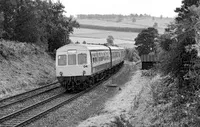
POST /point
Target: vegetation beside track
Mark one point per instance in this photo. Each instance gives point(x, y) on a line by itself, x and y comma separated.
point(23, 66)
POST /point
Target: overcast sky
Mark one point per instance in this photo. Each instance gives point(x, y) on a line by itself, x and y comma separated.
point(125, 7)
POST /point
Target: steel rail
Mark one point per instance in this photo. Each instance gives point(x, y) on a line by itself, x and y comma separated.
point(46, 111)
point(16, 113)
point(24, 93)
point(24, 99)
point(41, 114)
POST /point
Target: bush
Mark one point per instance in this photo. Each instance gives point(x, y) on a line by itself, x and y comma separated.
point(179, 60)
point(131, 55)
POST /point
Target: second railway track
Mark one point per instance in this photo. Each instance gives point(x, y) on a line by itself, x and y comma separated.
point(26, 95)
point(36, 111)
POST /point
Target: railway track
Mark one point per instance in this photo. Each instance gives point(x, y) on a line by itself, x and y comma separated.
point(36, 111)
point(16, 106)
point(26, 95)
point(29, 114)
point(33, 112)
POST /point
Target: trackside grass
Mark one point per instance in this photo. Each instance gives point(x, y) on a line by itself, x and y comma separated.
point(23, 66)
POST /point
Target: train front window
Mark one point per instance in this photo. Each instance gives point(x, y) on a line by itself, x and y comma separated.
point(72, 59)
point(82, 58)
point(62, 60)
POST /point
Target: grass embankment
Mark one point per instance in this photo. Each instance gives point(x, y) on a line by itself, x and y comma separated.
point(153, 107)
point(23, 67)
point(141, 103)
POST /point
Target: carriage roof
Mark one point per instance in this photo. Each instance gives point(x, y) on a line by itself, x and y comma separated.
point(85, 47)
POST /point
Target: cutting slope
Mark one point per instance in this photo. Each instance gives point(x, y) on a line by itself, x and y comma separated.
point(23, 66)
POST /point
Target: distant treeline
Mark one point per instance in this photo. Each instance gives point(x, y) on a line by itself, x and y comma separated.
point(110, 28)
point(109, 16)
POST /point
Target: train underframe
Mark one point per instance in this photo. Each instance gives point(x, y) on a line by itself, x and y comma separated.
point(80, 83)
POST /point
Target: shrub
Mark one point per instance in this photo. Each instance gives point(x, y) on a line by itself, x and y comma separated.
point(132, 55)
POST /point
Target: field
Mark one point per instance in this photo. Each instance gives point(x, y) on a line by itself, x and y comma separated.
point(125, 39)
point(99, 36)
point(140, 22)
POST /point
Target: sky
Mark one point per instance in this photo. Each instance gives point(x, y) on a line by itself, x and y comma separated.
point(125, 7)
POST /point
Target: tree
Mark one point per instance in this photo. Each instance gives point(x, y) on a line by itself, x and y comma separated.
point(133, 19)
point(84, 42)
point(145, 41)
point(36, 21)
point(1, 25)
point(59, 28)
point(155, 25)
point(165, 42)
point(183, 11)
point(110, 40)
point(27, 27)
point(7, 7)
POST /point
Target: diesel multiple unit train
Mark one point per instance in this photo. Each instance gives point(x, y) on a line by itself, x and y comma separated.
point(79, 66)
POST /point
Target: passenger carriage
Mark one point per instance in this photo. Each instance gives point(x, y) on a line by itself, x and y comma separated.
point(80, 65)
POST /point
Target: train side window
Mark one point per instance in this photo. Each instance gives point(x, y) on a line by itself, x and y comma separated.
point(82, 58)
point(105, 56)
point(108, 56)
point(93, 59)
point(72, 59)
point(62, 60)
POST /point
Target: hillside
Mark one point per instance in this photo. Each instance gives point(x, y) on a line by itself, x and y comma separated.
point(122, 38)
point(23, 66)
point(139, 23)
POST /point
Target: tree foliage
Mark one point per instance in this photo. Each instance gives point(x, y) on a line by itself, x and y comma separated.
point(184, 10)
point(36, 21)
point(155, 25)
point(110, 40)
point(180, 60)
point(165, 42)
point(145, 41)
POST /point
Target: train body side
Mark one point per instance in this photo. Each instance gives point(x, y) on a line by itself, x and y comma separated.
point(82, 60)
point(77, 63)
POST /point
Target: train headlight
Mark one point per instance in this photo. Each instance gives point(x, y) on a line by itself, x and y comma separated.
point(61, 73)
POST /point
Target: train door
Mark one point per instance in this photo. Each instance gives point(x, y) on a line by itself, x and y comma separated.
point(78, 64)
point(83, 58)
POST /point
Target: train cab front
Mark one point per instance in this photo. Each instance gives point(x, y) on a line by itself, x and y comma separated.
point(72, 68)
